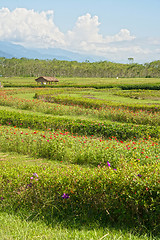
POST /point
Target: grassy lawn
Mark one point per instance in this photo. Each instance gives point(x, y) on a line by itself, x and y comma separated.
point(13, 227)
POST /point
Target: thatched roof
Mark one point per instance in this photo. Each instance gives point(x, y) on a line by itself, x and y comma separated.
point(46, 79)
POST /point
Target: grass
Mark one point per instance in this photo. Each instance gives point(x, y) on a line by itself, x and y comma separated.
point(109, 96)
point(15, 228)
point(29, 96)
point(106, 97)
point(115, 95)
point(83, 82)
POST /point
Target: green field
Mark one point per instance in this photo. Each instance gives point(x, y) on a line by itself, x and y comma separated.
point(80, 159)
point(84, 82)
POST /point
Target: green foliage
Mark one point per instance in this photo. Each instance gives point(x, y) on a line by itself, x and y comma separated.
point(141, 86)
point(92, 102)
point(82, 127)
point(130, 194)
point(33, 68)
point(77, 149)
point(86, 104)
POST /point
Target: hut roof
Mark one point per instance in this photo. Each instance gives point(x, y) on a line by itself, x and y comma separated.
point(47, 79)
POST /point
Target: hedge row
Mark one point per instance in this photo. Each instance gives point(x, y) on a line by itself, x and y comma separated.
point(82, 127)
point(148, 86)
point(94, 103)
point(130, 194)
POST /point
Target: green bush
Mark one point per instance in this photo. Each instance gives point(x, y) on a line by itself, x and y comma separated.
point(94, 103)
point(130, 194)
point(76, 149)
point(83, 127)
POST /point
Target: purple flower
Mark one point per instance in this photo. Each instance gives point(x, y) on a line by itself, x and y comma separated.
point(35, 174)
point(31, 177)
point(2, 198)
point(65, 196)
point(29, 185)
point(108, 164)
point(139, 175)
point(115, 169)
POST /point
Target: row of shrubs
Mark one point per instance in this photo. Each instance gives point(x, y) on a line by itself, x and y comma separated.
point(76, 149)
point(82, 127)
point(148, 86)
point(129, 195)
point(92, 103)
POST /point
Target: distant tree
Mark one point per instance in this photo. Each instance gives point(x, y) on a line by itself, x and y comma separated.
point(34, 67)
point(131, 59)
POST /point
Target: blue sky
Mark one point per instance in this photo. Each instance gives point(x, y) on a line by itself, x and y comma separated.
point(113, 29)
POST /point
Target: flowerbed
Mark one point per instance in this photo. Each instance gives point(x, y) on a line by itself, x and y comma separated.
point(83, 127)
point(67, 147)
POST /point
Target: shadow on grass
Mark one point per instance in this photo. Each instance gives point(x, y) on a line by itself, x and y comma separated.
point(87, 221)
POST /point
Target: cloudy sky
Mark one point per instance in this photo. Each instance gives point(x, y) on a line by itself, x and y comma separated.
point(112, 29)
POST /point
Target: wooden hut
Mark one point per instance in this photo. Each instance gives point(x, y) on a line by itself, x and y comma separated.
point(46, 80)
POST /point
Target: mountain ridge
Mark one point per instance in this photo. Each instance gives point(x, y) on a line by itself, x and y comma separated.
point(10, 50)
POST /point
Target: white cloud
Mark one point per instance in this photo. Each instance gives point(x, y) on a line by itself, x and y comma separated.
point(123, 35)
point(86, 29)
point(38, 30)
point(85, 35)
point(30, 28)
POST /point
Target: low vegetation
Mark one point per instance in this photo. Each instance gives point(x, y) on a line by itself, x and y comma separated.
point(77, 159)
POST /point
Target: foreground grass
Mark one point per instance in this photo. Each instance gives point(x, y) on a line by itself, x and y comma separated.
point(13, 227)
point(28, 225)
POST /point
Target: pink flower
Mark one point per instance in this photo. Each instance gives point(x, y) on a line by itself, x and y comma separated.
point(108, 164)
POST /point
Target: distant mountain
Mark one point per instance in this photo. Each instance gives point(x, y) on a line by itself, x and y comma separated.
point(17, 51)
point(4, 54)
point(9, 50)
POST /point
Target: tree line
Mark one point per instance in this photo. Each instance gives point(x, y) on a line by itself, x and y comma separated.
point(34, 67)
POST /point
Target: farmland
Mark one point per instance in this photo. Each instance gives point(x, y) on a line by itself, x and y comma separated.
point(81, 157)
